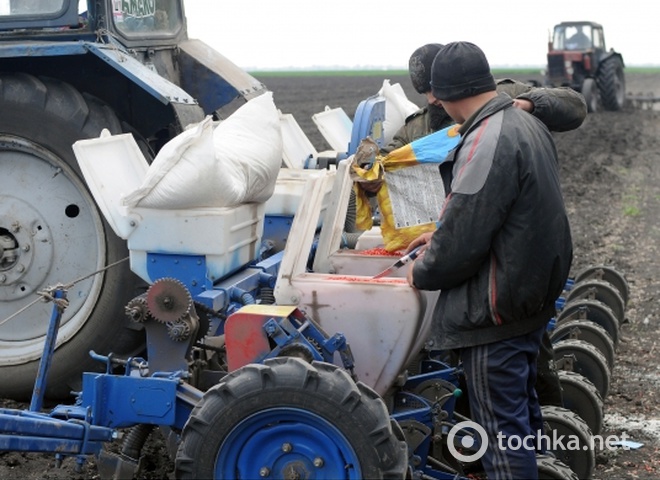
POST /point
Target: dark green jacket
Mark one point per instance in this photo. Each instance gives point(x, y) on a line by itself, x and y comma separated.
point(560, 109)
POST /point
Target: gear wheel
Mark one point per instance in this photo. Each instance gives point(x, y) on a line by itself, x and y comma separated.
point(137, 309)
point(168, 300)
point(178, 331)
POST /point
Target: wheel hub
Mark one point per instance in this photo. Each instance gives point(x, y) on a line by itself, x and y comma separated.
point(23, 268)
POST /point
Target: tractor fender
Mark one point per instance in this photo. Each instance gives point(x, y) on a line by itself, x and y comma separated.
point(36, 58)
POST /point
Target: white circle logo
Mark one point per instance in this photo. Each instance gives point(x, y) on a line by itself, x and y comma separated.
point(467, 441)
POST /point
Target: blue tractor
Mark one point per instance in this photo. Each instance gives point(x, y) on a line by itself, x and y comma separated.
point(69, 69)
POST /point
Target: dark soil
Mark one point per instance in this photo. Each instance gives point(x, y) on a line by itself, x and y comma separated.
point(610, 171)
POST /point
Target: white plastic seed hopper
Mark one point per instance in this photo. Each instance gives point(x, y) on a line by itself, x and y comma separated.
point(384, 320)
point(229, 237)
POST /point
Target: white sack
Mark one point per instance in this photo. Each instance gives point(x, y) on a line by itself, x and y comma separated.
point(179, 174)
point(249, 149)
point(236, 163)
point(397, 109)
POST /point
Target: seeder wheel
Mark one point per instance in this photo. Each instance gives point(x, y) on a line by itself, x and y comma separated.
point(606, 274)
point(290, 419)
point(588, 361)
point(598, 290)
point(578, 452)
point(594, 311)
point(588, 331)
point(551, 468)
point(582, 397)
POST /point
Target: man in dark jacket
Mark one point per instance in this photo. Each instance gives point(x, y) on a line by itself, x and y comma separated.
point(500, 256)
point(560, 109)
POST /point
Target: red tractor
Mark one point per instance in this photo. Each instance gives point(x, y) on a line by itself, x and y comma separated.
point(578, 58)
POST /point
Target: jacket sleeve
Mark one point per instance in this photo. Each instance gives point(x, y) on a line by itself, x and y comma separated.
point(485, 186)
point(416, 126)
point(560, 109)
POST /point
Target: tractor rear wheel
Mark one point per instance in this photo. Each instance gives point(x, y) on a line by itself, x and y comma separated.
point(51, 232)
point(290, 419)
point(612, 84)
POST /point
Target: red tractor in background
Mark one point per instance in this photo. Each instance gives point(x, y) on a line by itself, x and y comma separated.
point(578, 58)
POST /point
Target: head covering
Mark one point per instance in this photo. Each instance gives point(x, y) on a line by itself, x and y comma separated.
point(460, 70)
point(419, 66)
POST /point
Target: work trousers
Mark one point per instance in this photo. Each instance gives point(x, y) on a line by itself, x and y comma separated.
point(500, 379)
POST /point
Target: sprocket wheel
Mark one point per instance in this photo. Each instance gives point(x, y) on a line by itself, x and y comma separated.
point(179, 331)
point(168, 300)
point(137, 309)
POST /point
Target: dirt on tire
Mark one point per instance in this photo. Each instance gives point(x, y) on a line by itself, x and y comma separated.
point(610, 174)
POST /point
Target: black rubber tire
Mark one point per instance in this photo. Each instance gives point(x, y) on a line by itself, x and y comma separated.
point(589, 362)
point(594, 289)
point(551, 468)
point(357, 414)
point(607, 274)
point(612, 84)
point(582, 397)
point(594, 311)
point(590, 93)
point(582, 460)
point(49, 115)
point(588, 331)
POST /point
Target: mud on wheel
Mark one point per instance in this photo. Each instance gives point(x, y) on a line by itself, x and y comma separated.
point(52, 232)
point(290, 419)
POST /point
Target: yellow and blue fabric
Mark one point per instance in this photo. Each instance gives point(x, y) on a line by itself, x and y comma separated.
point(431, 149)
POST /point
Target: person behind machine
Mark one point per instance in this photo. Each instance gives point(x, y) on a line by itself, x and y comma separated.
point(500, 256)
point(579, 40)
point(560, 109)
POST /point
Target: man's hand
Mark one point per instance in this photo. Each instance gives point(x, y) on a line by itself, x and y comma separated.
point(523, 104)
point(409, 274)
point(423, 240)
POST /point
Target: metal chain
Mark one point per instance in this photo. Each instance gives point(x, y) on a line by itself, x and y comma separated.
point(46, 295)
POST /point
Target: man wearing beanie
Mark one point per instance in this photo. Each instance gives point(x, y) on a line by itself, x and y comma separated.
point(561, 109)
point(501, 254)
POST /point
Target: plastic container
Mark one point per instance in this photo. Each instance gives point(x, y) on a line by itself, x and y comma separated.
point(289, 189)
point(335, 126)
point(228, 237)
point(297, 147)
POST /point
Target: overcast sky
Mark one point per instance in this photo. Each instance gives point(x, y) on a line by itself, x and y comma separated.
point(273, 34)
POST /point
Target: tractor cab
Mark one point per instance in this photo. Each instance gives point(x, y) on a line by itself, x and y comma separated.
point(133, 24)
point(578, 36)
point(578, 58)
